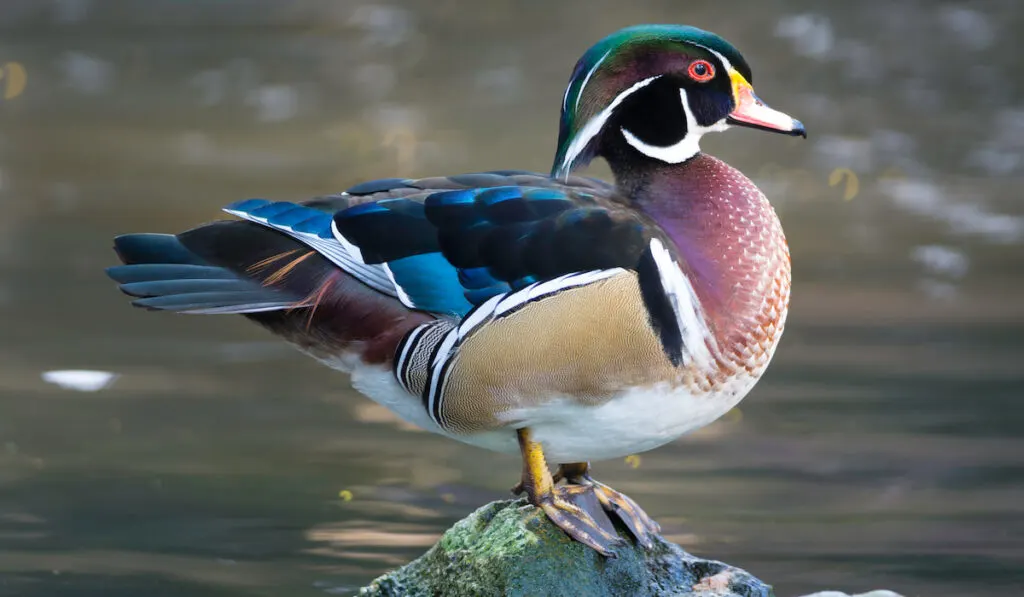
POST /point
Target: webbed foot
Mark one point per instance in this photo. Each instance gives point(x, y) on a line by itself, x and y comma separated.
point(576, 509)
point(642, 526)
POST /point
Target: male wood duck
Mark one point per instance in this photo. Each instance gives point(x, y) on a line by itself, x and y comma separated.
point(560, 316)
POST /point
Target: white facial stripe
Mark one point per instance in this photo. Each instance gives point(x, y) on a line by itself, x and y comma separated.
point(686, 148)
point(725, 61)
point(579, 95)
point(565, 98)
point(595, 124)
point(680, 152)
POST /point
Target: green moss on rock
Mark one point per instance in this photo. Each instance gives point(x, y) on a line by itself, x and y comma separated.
point(510, 548)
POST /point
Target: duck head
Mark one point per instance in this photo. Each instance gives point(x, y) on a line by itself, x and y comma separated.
point(650, 92)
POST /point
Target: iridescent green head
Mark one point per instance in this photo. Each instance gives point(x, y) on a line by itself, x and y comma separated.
point(650, 92)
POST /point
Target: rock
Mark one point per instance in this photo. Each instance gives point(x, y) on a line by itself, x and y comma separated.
point(509, 548)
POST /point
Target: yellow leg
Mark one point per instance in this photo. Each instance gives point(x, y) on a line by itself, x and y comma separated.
point(639, 523)
point(536, 474)
point(562, 505)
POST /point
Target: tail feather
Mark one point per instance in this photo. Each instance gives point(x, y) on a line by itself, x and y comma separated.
point(154, 272)
point(215, 303)
point(273, 279)
point(149, 247)
point(165, 275)
point(186, 286)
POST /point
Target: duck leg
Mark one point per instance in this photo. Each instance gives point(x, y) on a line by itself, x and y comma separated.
point(571, 507)
point(639, 523)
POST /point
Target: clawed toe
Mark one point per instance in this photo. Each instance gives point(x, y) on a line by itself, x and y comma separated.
point(642, 526)
point(576, 510)
point(581, 506)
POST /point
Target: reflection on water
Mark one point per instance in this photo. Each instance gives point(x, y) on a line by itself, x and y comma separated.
point(882, 449)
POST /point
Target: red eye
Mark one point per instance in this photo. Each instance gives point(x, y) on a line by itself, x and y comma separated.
point(701, 71)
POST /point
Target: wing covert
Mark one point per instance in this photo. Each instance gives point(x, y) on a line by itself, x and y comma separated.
point(447, 244)
point(494, 239)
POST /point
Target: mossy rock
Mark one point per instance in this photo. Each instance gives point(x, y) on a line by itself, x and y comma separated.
point(509, 548)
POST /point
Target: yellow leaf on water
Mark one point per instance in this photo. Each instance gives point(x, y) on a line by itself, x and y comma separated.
point(13, 79)
point(852, 183)
point(345, 495)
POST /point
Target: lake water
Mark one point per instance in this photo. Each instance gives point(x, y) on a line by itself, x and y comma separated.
point(883, 448)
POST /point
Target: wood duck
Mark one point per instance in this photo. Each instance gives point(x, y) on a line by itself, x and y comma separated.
point(559, 316)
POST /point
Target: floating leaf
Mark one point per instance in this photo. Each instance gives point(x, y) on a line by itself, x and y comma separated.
point(13, 79)
point(852, 183)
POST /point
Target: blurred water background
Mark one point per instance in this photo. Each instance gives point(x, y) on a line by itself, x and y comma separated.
point(883, 448)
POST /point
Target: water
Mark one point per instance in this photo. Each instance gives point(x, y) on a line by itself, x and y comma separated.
point(882, 449)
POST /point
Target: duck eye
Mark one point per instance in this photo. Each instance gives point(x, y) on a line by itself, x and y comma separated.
point(701, 71)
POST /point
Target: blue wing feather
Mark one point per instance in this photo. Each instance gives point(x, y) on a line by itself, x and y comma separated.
point(376, 186)
point(453, 240)
point(442, 248)
point(476, 277)
point(387, 230)
point(431, 283)
point(313, 228)
point(481, 295)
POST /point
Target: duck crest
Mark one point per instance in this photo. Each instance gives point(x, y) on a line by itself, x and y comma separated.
point(733, 251)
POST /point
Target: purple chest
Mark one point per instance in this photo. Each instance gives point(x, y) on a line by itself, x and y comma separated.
point(732, 248)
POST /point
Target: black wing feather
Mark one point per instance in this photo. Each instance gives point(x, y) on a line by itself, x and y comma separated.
point(509, 227)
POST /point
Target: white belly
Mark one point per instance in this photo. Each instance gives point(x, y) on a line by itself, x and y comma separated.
point(638, 420)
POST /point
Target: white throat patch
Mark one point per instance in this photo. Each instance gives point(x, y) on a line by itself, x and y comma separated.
point(685, 148)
